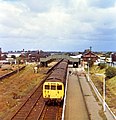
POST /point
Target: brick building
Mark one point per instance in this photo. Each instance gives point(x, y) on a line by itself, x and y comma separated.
point(89, 56)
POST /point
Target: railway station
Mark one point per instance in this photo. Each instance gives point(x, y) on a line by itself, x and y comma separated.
point(64, 94)
point(58, 60)
point(74, 61)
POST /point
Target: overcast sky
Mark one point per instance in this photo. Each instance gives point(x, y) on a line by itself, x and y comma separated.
point(62, 25)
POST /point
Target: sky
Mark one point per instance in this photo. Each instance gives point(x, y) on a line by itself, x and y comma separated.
point(58, 25)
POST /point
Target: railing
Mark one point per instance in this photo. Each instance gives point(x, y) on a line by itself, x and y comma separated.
point(109, 114)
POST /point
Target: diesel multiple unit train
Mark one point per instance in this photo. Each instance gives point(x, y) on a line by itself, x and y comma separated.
point(54, 86)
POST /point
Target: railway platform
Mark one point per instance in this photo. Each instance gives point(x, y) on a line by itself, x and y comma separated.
point(81, 103)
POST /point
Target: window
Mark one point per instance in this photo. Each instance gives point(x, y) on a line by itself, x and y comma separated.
point(53, 87)
point(59, 87)
point(47, 87)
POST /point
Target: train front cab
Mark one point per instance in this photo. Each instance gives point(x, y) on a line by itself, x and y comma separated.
point(53, 91)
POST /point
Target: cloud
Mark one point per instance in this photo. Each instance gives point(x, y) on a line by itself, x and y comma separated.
point(68, 23)
point(101, 4)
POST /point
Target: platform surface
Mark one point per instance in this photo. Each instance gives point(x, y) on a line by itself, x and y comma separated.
point(81, 106)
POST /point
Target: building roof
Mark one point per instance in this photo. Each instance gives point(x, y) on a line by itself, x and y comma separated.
point(89, 55)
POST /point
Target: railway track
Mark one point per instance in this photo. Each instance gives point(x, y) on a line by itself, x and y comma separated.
point(31, 107)
point(34, 108)
point(11, 73)
point(51, 113)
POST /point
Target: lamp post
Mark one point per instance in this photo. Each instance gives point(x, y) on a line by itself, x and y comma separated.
point(88, 68)
point(88, 71)
point(104, 89)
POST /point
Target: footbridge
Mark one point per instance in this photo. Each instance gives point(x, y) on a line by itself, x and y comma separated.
point(74, 61)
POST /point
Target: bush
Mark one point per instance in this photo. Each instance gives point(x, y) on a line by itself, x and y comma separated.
point(102, 65)
point(110, 72)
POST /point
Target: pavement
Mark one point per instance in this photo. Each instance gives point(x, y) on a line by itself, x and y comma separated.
point(75, 108)
point(93, 105)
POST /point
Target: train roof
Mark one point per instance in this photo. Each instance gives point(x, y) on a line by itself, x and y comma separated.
point(54, 79)
point(58, 73)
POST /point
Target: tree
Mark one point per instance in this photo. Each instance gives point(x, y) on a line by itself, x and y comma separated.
point(110, 72)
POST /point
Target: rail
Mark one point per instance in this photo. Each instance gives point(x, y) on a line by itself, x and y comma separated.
point(11, 73)
point(34, 106)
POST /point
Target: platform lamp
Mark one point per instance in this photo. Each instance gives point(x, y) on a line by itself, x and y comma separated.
point(88, 68)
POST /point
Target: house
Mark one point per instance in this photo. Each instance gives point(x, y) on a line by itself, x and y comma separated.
point(89, 56)
point(113, 56)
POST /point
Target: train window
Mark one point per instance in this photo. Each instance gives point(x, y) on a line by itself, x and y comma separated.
point(59, 87)
point(53, 87)
point(47, 87)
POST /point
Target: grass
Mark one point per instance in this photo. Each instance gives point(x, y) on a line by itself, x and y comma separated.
point(111, 93)
point(13, 89)
point(110, 86)
point(102, 115)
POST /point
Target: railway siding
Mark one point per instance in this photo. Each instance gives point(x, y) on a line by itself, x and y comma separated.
point(18, 85)
point(11, 73)
point(34, 106)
